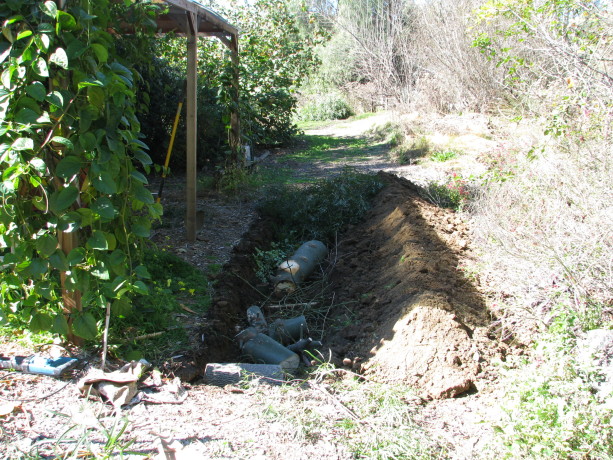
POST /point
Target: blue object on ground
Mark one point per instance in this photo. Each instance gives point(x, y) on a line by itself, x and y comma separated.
point(35, 364)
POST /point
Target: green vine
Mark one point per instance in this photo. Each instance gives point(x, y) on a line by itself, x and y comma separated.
point(74, 203)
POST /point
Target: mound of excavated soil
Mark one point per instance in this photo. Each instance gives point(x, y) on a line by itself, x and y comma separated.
point(408, 312)
point(415, 317)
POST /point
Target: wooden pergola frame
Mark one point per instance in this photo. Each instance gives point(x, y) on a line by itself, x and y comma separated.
point(190, 18)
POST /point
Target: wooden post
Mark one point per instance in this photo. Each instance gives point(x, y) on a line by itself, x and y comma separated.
point(191, 124)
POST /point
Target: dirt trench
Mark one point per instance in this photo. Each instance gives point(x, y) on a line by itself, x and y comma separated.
point(402, 308)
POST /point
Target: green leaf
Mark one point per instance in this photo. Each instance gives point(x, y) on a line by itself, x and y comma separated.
point(142, 228)
point(39, 203)
point(96, 97)
point(26, 117)
point(24, 34)
point(143, 157)
point(121, 307)
point(59, 261)
point(101, 271)
point(104, 208)
point(89, 82)
point(117, 258)
point(43, 42)
point(62, 199)
point(37, 267)
point(87, 217)
point(85, 326)
point(49, 8)
point(44, 289)
point(23, 143)
point(111, 241)
point(139, 177)
point(68, 167)
point(40, 322)
point(63, 141)
point(55, 98)
point(75, 49)
point(40, 68)
point(76, 256)
point(66, 21)
point(156, 210)
point(105, 183)
point(46, 245)
point(39, 165)
point(101, 52)
point(142, 272)
point(140, 288)
point(59, 58)
point(97, 241)
point(28, 102)
point(70, 221)
point(88, 141)
point(142, 194)
point(60, 325)
point(35, 181)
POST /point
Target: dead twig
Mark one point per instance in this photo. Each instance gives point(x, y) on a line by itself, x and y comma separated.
point(337, 402)
point(293, 305)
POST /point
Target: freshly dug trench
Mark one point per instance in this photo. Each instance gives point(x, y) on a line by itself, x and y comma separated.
point(403, 311)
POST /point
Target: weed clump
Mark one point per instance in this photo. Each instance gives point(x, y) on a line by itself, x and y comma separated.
point(323, 209)
point(550, 409)
point(175, 286)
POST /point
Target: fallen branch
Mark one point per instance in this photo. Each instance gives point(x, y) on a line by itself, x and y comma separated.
point(336, 401)
point(292, 305)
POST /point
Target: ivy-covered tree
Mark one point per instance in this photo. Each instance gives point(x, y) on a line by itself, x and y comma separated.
point(74, 206)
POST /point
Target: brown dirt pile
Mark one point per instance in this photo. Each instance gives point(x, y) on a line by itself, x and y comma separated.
point(415, 317)
point(404, 310)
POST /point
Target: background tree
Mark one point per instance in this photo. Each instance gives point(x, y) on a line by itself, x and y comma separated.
point(275, 57)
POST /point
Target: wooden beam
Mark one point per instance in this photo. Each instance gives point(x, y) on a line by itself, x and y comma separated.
point(191, 121)
point(208, 17)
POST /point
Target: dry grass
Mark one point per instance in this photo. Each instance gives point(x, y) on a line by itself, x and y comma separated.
point(547, 233)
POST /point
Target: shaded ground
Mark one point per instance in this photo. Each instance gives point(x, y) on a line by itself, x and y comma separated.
point(394, 305)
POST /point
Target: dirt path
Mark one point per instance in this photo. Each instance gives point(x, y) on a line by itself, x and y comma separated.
point(402, 313)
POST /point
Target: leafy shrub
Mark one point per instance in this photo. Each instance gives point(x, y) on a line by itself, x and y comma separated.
point(501, 164)
point(454, 193)
point(323, 209)
point(273, 60)
point(74, 205)
point(331, 106)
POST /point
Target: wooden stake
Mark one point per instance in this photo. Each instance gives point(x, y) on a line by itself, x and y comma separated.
point(191, 122)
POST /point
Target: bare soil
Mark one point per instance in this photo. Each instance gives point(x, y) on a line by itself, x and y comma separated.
point(399, 309)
